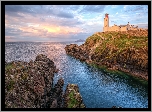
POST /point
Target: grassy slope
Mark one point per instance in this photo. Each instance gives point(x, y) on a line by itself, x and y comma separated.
point(117, 40)
point(110, 45)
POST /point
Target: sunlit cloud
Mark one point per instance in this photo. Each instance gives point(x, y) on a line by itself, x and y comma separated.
point(66, 22)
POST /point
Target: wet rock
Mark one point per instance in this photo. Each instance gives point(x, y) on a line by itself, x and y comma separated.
point(57, 93)
point(113, 106)
point(44, 59)
point(116, 107)
point(54, 104)
point(72, 97)
point(78, 52)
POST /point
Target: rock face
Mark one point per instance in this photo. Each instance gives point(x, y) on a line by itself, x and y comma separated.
point(72, 97)
point(30, 85)
point(26, 84)
point(124, 51)
point(56, 101)
point(79, 52)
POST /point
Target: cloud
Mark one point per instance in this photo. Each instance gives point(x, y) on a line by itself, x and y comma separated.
point(93, 8)
point(66, 22)
point(34, 27)
point(60, 11)
point(74, 7)
point(125, 6)
point(16, 10)
point(136, 9)
point(70, 23)
point(65, 15)
point(113, 6)
point(113, 22)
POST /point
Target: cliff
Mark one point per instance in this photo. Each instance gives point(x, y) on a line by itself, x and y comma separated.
point(122, 51)
point(30, 85)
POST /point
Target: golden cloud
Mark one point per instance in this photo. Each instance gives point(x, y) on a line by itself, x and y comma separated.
point(49, 30)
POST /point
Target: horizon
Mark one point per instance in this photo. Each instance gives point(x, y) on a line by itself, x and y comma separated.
point(52, 23)
point(50, 41)
point(41, 41)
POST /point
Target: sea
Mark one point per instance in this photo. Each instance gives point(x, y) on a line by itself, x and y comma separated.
point(98, 88)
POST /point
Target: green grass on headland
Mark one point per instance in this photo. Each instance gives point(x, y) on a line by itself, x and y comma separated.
point(127, 49)
point(116, 40)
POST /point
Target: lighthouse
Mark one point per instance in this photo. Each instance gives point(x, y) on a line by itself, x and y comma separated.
point(106, 22)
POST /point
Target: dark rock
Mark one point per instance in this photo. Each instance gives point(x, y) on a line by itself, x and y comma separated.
point(78, 52)
point(44, 58)
point(54, 104)
point(30, 83)
point(56, 94)
point(113, 106)
point(116, 107)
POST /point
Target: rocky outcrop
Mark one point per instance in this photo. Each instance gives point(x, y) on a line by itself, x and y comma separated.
point(124, 51)
point(26, 84)
point(72, 97)
point(56, 99)
point(132, 61)
point(30, 85)
point(79, 52)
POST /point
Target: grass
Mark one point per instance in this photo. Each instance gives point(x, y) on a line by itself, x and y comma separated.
point(14, 79)
point(19, 67)
point(10, 86)
point(72, 102)
point(115, 43)
point(120, 43)
point(9, 66)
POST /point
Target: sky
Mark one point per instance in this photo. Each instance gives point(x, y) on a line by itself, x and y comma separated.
point(60, 23)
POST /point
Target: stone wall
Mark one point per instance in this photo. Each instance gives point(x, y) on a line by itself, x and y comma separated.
point(123, 29)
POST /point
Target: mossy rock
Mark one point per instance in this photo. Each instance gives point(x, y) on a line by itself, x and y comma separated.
point(9, 66)
point(10, 85)
point(72, 101)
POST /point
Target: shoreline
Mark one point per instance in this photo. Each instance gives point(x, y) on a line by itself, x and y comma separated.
point(135, 73)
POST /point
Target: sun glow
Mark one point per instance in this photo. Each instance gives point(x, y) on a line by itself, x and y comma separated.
point(52, 29)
